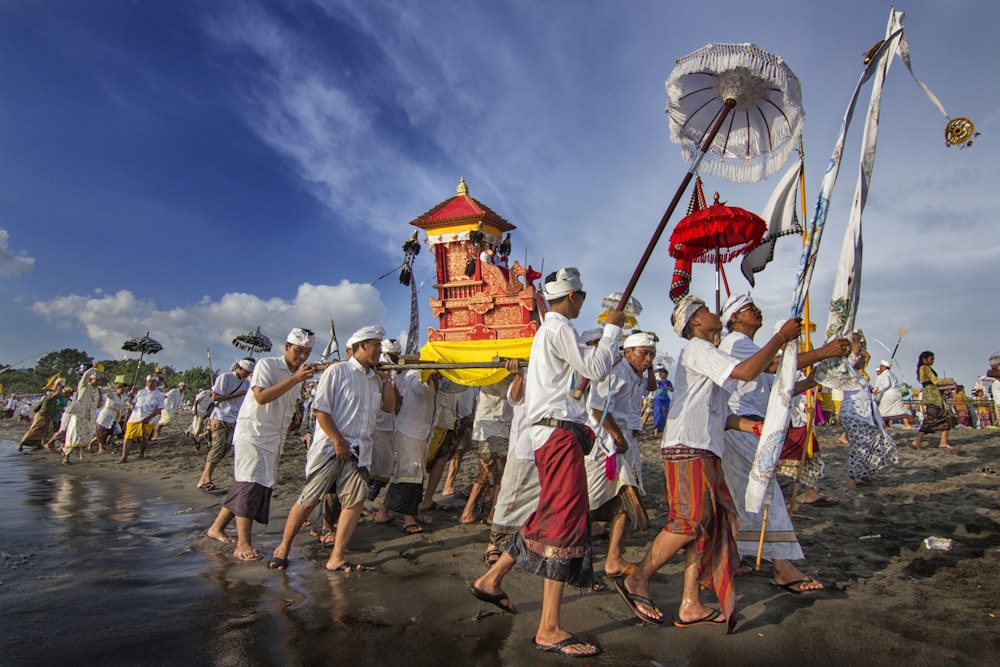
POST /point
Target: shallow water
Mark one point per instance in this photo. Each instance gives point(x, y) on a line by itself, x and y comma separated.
point(93, 573)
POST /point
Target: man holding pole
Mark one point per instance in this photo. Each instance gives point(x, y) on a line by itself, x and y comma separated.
point(748, 399)
point(555, 541)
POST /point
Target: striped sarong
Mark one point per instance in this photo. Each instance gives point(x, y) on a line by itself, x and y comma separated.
point(701, 505)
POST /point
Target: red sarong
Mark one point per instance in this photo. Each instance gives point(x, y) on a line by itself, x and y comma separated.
point(558, 528)
point(794, 440)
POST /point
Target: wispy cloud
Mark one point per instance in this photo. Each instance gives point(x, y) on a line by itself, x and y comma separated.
point(109, 319)
point(13, 263)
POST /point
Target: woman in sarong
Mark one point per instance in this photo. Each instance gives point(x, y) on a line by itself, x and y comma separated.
point(872, 448)
point(937, 418)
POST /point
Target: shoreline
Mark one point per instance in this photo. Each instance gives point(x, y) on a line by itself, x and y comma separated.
point(888, 598)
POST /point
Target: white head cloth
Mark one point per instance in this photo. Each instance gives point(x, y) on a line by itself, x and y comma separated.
point(684, 311)
point(567, 280)
point(734, 303)
point(150, 378)
point(640, 339)
point(390, 346)
point(592, 335)
point(246, 364)
point(301, 337)
point(885, 363)
point(373, 332)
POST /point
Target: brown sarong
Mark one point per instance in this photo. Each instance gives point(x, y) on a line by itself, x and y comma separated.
point(249, 500)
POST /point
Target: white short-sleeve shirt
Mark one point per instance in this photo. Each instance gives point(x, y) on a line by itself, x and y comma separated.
point(351, 396)
point(698, 412)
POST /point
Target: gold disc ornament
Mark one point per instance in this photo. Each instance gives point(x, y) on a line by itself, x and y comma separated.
point(959, 132)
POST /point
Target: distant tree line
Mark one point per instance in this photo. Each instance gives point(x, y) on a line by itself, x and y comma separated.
point(67, 363)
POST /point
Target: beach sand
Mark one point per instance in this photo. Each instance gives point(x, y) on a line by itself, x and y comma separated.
point(889, 600)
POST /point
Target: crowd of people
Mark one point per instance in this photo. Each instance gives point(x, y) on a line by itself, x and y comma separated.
point(558, 459)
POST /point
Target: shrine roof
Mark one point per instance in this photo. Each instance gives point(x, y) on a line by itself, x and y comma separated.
point(460, 209)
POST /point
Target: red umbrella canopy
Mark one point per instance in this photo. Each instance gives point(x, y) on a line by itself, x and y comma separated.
point(718, 233)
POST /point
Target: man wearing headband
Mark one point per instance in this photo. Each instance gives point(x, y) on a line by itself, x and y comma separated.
point(172, 402)
point(385, 428)
point(555, 541)
point(613, 466)
point(702, 518)
point(227, 393)
point(890, 397)
point(145, 408)
point(749, 399)
point(348, 396)
point(260, 431)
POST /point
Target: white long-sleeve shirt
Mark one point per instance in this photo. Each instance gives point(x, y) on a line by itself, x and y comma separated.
point(558, 360)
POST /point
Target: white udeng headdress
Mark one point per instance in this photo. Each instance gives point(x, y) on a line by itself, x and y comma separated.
point(302, 337)
point(567, 280)
point(373, 332)
point(733, 305)
point(640, 339)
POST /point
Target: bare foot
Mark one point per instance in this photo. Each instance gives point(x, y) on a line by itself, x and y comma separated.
point(219, 537)
point(246, 552)
point(852, 483)
point(945, 445)
point(467, 518)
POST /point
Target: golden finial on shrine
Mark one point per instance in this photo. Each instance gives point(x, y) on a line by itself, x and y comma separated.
point(462, 188)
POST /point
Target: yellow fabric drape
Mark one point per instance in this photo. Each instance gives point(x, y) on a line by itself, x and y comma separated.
point(475, 351)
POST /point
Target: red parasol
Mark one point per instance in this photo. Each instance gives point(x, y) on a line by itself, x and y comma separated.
point(713, 234)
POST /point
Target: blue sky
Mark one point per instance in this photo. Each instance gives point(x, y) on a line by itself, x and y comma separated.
point(199, 169)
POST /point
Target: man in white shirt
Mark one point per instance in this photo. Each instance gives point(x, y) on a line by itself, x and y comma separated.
point(890, 398)
point(348, 396)
point(227, 393)
point(702, 517)
point(491, 432)
point(259, 437)
point(749, 399)
point(414, 424)
point(555, 541)
point(201, 402)
point(146, 407)
point(612, 479)
point(172, 402)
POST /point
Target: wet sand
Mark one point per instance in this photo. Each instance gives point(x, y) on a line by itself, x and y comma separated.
point(106, 563)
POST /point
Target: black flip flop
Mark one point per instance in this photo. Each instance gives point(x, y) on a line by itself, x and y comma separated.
point(496, 600)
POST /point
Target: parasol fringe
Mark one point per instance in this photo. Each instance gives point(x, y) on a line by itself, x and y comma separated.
point(730, 165)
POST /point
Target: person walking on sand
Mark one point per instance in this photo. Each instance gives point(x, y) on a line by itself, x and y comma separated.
point(259, 437)
point(172, 402)
point(227, 393)
point(612, 479)
point(702, 518)
point(146, 407)
point(348, 396)
point(555, 541)
point(83, 413)
point(198, 409)
point(937, 417)
point(41, 424)
point(414, 424)
point(749, 399)
point(491, 432)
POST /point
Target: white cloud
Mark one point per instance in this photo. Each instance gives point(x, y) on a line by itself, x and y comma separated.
point(13, 263)
point(185, 332)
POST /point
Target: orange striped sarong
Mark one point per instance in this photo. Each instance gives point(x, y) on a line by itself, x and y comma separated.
point(701, 505)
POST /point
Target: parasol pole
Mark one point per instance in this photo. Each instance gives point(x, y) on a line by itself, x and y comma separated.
point(718, 273)
point(138, 365)
point(709, 138)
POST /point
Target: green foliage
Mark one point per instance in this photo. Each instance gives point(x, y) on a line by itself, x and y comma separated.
point(20, 381)
point(65, 361)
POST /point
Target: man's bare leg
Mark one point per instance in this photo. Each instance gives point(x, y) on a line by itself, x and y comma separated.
point(244, 545)
point(491, 582)
point(296, 517)
point(433, 478)
point(615, 561)
point(143, 441)
point(346, 524)
point(126, 445)
point(663, 548)
point(691, 608)
point(454, 463)
point(549, 630)
point(469, 513)
point(217, 531)
point(206, 474)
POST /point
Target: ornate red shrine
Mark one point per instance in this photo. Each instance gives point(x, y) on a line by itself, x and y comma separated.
point(479, 298)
